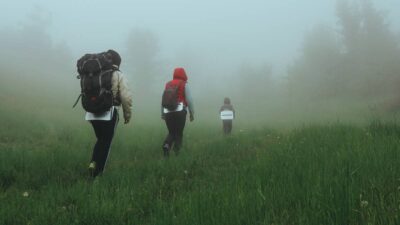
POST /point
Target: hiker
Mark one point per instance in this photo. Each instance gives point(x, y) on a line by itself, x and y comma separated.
point(176, 102)
point(227, 115)
point(104, 88)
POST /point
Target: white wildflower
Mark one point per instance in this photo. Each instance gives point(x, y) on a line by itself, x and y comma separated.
point(363, 204)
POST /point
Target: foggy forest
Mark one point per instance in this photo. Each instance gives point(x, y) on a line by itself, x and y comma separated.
point(340, 71)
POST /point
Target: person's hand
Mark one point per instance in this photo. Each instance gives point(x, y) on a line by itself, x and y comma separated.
point(191, 117)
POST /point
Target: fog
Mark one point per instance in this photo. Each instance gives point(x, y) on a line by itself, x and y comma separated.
point(280, 62)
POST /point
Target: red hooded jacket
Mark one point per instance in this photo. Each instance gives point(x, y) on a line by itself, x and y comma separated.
point(179, 79)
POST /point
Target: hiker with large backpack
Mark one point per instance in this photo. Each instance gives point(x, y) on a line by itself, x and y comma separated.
point(103, 89)
point(176, 102)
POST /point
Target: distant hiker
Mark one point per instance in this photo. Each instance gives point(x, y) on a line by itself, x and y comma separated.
point(103, 89)
point(227, 114)
point(176, 101)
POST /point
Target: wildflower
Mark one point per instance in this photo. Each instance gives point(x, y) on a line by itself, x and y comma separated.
point(25, 194)
point(363, 204)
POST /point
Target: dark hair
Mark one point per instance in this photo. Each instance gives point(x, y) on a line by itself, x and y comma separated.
point(227, 101)
point(116, 58)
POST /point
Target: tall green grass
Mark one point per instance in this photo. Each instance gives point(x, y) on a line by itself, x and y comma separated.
point(321, 174)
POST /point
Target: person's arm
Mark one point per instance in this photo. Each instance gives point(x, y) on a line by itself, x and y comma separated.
point(125, 97)
point(189, 101)
point(162, 113)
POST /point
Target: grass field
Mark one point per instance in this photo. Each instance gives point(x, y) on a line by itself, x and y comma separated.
point(318, 174)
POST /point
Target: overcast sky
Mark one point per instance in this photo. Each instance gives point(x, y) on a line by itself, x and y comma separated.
point(231, 30)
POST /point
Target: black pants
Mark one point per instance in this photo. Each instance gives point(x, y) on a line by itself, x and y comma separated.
point(175, 123)
point(104, 131)
point(227, 126)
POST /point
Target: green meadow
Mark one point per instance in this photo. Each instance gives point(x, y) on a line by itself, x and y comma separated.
point(316, 138)
point(312, 174)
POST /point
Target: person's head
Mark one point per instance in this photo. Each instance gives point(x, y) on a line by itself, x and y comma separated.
point(227, 101)
point(115, 57)
point(180, 74)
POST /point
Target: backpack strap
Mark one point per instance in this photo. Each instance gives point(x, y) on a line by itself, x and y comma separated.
point(118, 94)
point(105, 80)
point(82, 78)
point(76, 102)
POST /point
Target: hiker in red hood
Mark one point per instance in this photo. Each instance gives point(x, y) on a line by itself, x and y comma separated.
point(176, 102)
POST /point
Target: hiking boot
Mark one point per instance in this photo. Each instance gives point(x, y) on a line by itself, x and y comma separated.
point(166, 150)
point(92, 168)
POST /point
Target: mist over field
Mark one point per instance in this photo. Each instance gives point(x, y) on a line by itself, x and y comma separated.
point(280, 63)
point(315, 86)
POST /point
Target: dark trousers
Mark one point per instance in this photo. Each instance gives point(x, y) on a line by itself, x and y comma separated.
point(175, 123)
point(227, 126)
point(104, 131)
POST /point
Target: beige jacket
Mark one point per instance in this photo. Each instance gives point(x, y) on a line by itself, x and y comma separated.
point(122, 94)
